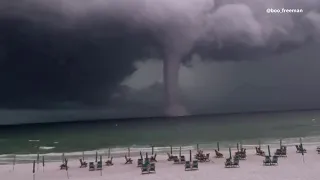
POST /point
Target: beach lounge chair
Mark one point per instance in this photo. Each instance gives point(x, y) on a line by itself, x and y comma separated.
point(182, 159)
point(91, 166)
point(83, 164)
point(145, 169)
point(235, 163)
point(176, 160)
point(206, 158)
point(63, 166)
point(228, 163)
point(187, 166)
point(318, 150)
point(170, 157)
point(300, 149)
point(267, 161)
point(140, 162)
point(195, 165)
point(259, 152)
point(99, 165)
point(128, 160)
point(218, 154)
point(152, 168)
point(109, 162)
point(274, 160)
point(153, 158)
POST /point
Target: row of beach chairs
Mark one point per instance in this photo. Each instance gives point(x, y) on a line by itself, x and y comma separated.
point(232, 164)
point(190, 167)
point(270, 162)
point(147, 168)
point(241, 155)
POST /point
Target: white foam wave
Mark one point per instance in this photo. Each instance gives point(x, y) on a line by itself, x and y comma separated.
point(46, 147)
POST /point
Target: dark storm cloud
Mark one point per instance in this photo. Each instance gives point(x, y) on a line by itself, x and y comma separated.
point(55, 50)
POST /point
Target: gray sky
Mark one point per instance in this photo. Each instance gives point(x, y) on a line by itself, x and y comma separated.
point(108, 55)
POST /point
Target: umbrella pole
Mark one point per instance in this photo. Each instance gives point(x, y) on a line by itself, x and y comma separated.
point(14, 162)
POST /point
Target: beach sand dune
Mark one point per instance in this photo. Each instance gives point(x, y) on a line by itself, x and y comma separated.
point(290, 168)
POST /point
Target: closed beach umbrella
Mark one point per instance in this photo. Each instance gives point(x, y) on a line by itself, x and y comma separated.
point(82, 155)
point(101, 165)
point(34, 169)
point(302, 151)
point(152, 150)
point(38, 159)
point(14, 162)
point(180, 152)
point(259, 144)
point(269, 150)
point(109, 153)
point(230, 152)
point(129, 151)
point(42, 163)
point(171, 149)
point(141, 155)
point(238, 147)
point(66, 163)
point(218, 146)
point(62, 158)
point(96, 156)
point(147, 155)
point(190, 155)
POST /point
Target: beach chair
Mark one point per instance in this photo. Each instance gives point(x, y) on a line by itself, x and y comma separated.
point(91, 166)
point(153, 158)
point(140, 162)
point(206, 158)
point(235, 163)
point(187, 166)
point(152, 168)
point(267, 161)
point(318, 150)
point(228, 163)
point(170, 157)
point(218, 154)
point(176, 160)
point(99, 165)
point(83, 164)
point(259, 152)
point(274, 160)
point(128, 160)
point(63, 166)
point(145, 169)
point(109, 162)
point(300, 149)
point(182, 159)
point(195, 165)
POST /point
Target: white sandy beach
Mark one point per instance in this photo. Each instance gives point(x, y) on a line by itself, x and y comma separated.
point(290, 168)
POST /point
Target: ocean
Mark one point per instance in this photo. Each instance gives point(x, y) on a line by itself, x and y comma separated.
point(74, 138)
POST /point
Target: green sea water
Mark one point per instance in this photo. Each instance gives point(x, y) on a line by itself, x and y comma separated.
point(90, 136)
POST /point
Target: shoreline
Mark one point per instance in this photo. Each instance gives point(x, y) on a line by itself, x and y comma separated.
point(289, 168)
point(135, 150)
